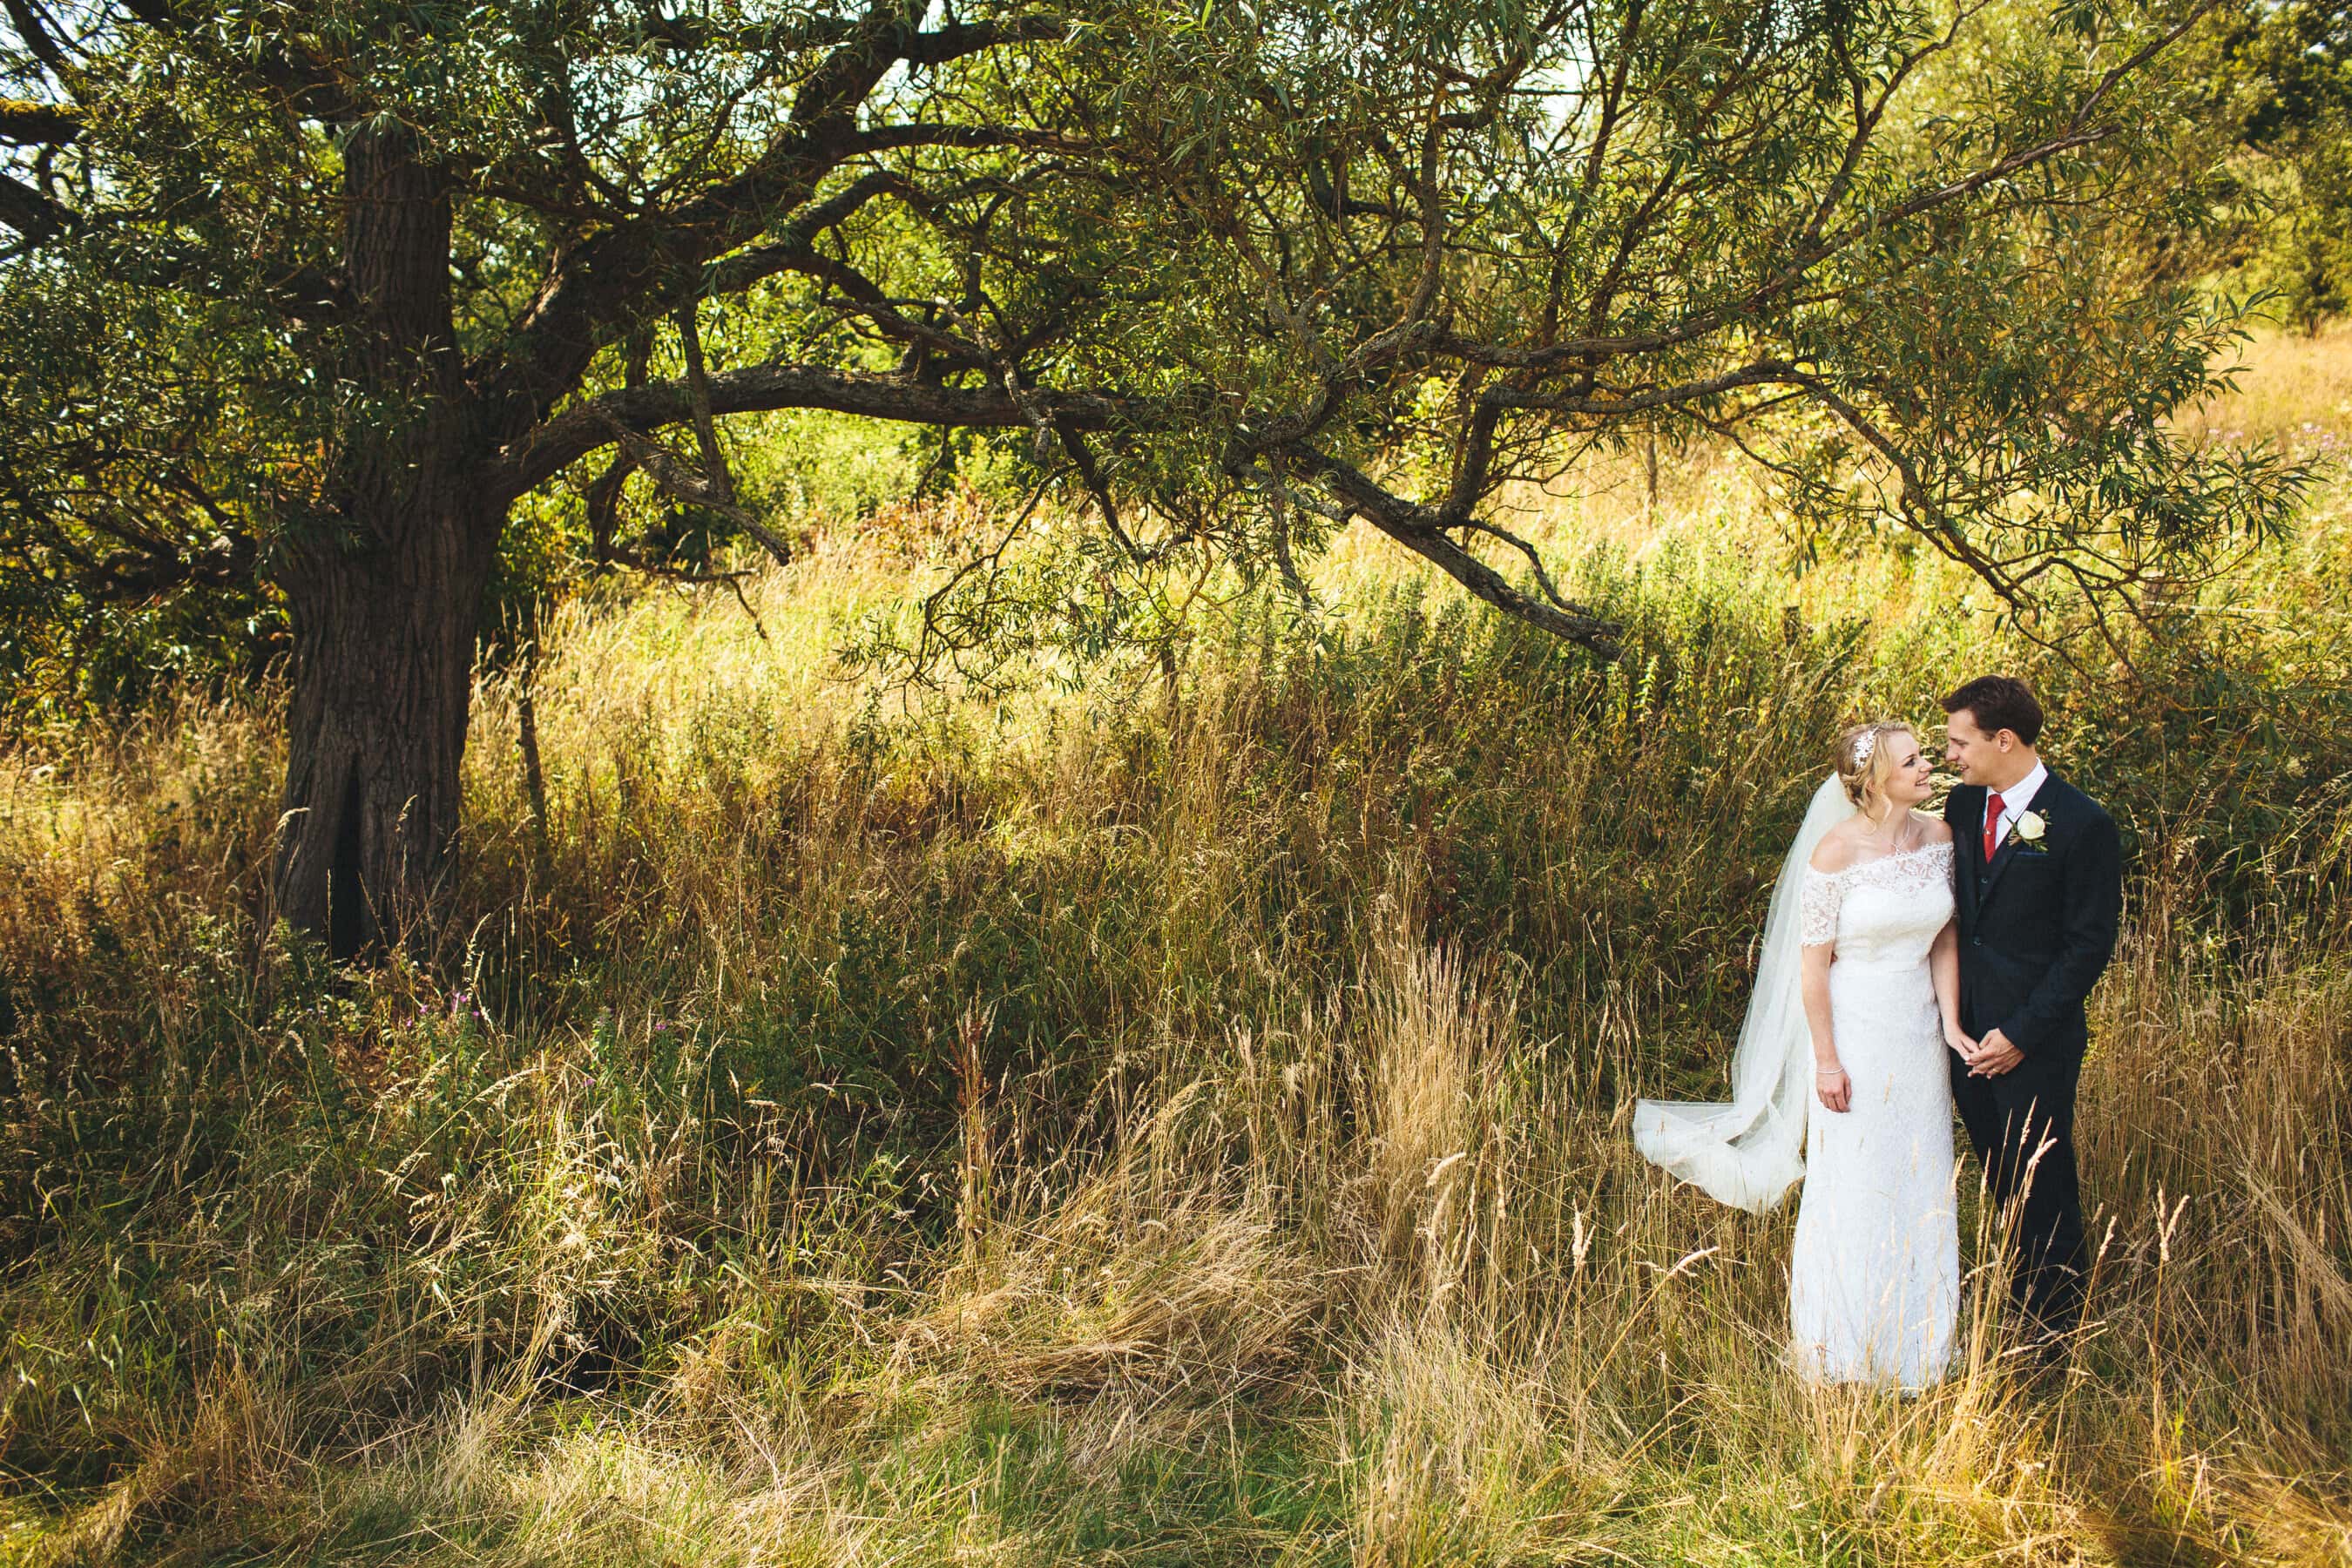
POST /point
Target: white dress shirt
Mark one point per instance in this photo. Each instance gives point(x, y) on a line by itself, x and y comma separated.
point(2014, 801)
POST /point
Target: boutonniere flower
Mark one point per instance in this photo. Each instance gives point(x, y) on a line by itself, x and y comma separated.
point(2031, 827)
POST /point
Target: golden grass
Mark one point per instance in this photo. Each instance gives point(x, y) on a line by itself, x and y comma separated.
point(2292, 388)
point(1094, 1128)
point(1489, 1333)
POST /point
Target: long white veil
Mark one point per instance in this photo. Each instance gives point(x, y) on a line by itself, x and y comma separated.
point(1750, 1153)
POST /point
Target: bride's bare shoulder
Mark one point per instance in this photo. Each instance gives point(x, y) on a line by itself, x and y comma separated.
point(1835, 852)
point(1934, 830)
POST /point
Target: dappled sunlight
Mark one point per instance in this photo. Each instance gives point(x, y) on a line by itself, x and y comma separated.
point(1172, 1121)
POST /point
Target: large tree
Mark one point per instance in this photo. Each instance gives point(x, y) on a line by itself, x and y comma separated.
point(314, 293)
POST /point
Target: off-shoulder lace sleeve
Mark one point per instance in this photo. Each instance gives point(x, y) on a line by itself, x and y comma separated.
point(1817, 908)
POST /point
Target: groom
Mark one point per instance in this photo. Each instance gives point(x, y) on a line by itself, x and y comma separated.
point(2038, 873)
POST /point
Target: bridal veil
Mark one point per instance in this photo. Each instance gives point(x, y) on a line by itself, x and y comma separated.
point(1750, 1151)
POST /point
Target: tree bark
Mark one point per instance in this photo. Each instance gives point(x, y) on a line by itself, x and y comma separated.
point(384, 583)
point(383, 657)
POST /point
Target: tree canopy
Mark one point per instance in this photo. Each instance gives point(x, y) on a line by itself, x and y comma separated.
point(305, 300)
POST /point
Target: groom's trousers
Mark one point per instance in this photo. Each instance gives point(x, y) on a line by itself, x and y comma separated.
point(2021, 1125)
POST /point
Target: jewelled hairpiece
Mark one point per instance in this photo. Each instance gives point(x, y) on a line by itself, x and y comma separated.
point(1864, 747)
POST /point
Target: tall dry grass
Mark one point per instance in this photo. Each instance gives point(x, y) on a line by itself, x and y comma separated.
point(1136, 1125)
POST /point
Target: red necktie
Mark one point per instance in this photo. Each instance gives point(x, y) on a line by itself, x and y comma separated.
point(1994, 806)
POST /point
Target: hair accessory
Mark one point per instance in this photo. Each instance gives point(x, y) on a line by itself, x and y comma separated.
point(1864, 744)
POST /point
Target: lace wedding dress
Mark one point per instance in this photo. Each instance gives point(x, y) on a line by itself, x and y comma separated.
point(1873, 1281)
point(1874, 1278)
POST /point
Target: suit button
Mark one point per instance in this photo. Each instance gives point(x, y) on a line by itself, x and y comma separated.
point(1976, 942)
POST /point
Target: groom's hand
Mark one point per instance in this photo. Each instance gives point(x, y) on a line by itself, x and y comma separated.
point(1993, 1056)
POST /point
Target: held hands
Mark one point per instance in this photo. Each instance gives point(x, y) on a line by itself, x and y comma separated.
point(1835, 1090)
point(1990, 1057)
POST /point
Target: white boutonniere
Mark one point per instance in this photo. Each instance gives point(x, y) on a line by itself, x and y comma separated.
point(2028, 830)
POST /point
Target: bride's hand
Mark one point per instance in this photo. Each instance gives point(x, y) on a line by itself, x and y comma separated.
point(1957, 1039)
point(1835, 1090)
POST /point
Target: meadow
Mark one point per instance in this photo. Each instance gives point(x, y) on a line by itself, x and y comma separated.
point(1174, 1114)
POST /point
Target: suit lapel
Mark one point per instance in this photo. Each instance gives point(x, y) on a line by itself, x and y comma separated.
point(2007, 850)
point(1972, 882)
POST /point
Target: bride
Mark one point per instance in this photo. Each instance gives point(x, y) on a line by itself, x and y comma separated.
point(1857, 997)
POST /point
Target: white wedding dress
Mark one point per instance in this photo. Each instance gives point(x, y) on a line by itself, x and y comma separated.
point(1873, 1277)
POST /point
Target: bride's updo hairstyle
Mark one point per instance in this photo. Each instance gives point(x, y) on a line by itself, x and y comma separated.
point(1863, 757)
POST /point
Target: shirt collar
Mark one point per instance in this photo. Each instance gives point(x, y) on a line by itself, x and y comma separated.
point(2018, 795)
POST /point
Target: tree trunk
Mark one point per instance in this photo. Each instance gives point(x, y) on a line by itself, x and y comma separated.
point(383, 586)
point(383, 655)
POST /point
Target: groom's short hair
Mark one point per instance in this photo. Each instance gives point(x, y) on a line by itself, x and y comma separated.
point(2000, 703)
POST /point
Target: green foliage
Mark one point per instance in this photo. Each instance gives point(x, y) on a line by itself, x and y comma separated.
point(2277, 81)
point(125, 568)
point(723, 1122)
point(1223, 275)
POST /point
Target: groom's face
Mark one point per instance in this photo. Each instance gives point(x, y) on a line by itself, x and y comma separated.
point(1976, 756)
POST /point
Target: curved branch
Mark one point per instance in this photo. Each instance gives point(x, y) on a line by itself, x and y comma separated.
point(652, 266)
point(589, 426)
point(1416, 527)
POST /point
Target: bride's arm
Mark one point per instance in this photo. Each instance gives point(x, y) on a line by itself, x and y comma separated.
point(1830, 1082)
point(1944, 964)
point(1817, 924)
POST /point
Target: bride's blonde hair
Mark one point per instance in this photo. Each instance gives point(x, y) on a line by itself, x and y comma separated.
point(1863, 757)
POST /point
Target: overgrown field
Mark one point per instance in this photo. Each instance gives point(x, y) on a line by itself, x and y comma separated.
point(1175, 1117)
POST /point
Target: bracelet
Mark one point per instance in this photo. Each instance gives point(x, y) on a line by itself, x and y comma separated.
point(1824, 1072)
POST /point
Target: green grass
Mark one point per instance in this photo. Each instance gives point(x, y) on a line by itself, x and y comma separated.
point(1121, 1122)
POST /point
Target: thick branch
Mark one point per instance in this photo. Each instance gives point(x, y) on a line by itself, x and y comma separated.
point(653, 265)
point(789, 250)
point(23, 124)
point(31, 214)
point(577, 431)
point(33, 30)
point(1416, 528)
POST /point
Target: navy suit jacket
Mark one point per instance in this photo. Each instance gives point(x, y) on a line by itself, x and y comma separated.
point(2038, 922)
